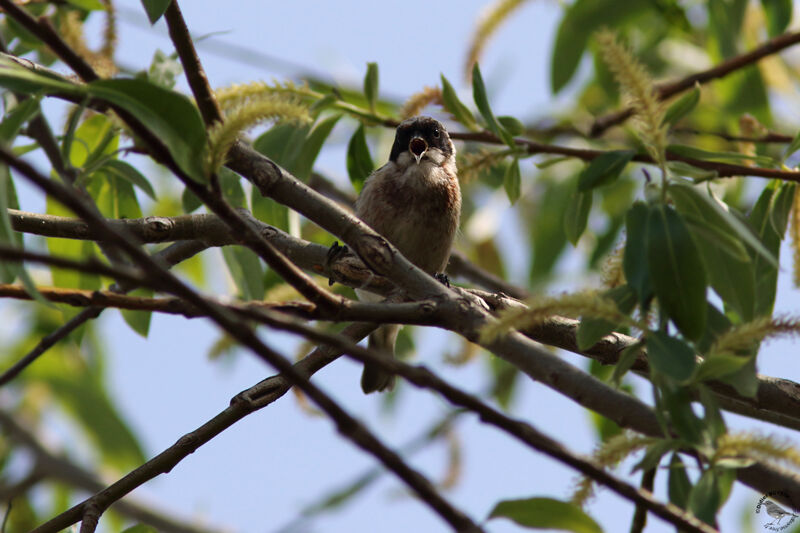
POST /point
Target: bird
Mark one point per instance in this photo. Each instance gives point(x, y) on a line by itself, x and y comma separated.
point(776, 511)
point(414, 201)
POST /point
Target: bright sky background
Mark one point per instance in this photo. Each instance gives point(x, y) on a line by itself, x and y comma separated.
point(257, 475)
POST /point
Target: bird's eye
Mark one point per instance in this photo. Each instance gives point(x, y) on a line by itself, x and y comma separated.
point(436, 132)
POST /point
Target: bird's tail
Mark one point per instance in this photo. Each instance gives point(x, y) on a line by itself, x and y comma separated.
point(382, 341)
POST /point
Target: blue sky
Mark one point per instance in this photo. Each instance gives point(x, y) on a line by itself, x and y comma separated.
point(257, 475)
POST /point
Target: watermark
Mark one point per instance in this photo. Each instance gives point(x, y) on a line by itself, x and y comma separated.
point(774, 516)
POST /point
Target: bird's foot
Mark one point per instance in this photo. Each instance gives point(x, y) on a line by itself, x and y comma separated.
point(334, 252)
point(443, 279)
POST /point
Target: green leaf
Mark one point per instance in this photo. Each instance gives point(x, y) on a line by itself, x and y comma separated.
point(129, 173)
point(652, 457)
point(513, 125)
point(717, 366)
point(546, 221)
point(745, 380)
point(634, 261)
point(779, 15)
point(270, 212)
point(680, 168)
point(171, 116)
point(371, 85)
point(766, 272)
point(359, 162)
point(21, 113)
point(80, 391)
point(313, 145)
point(546, 513)
point(283, 143)
point(670, 356)
point(676, 271)
point(231, 186)
point(580, 21)
point(576, 215)
point(724, 157)
point(139, 321)
point(604, 169)
point(155, 8)
point(512, 180)
point(591, 330)
point(728, 264)
point(626, 360)
point(246, 270)
point(793, 147)
point(682, 106)
point(190, 202)
point(781, 207)
point(482, 101)
point(678, 484)
point(18, 78)
point(705, 498)
point(455, 107)
point(88, 5)
point(677, 401)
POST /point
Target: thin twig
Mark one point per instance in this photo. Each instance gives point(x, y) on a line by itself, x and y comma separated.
point(602, 123)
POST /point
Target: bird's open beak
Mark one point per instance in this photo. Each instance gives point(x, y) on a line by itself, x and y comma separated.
point(418, 147)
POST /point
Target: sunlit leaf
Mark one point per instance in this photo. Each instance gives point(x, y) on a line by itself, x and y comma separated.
point(779, 15)
point(682, 106)
point(246, 270)
point(546, 513)
point(312, 146)
point(482, 101)
point(455, 107)
point(128, 172)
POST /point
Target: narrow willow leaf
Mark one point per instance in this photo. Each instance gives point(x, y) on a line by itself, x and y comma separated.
point(129, 173)
point(766, 272)
point(793, 147)
point(231, 186)
point(16, 117)
point(546, 513)
point(682, 106)
point(705, 498)
point(18, 78)
point(513, 125)
point(371, 85)
point(155, 9)
point(455, 107)
point(482, 101)
point(626, 360)
point(591, 330)
point(139, 321)
point(581, 19)
point(680, 168)
point(190, 202)
point(634, 262)
point(604, 169)
point(653, 454)
point(670, 356)
point(576, 215)
point(88, 5)
point(781, 207)
point(359, 162)
point(512, 180)
point(676, 271)
point(312, 146)
point(717, 366)
point(246, 270)
point(678, 484)
point(552, 161)
point(169, 115)
point(724, 157)
point(779, 15)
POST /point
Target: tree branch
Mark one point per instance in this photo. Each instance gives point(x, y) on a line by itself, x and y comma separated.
point(601, 124)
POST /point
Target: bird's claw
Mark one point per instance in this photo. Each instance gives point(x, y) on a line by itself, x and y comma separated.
point(443, 279)
point(334, 252)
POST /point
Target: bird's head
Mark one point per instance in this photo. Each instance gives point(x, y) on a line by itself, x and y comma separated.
point(421, 139)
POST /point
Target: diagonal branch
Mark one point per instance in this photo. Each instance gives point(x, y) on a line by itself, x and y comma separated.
point(773, 46)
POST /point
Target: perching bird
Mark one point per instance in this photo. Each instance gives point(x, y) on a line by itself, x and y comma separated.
point(776, 511)
point(415, 202)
